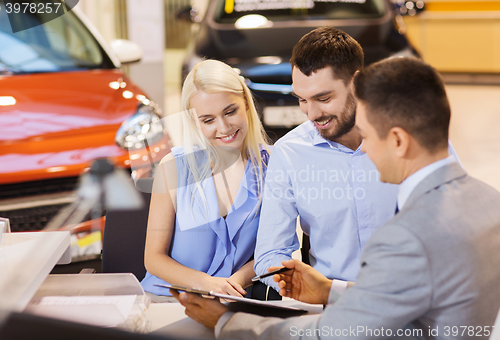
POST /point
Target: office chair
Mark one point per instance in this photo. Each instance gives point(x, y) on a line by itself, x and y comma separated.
point(125, 236)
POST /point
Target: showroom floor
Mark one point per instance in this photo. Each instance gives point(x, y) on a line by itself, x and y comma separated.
point(474, 128)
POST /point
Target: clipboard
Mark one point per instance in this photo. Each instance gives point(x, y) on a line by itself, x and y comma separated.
point(246, 305)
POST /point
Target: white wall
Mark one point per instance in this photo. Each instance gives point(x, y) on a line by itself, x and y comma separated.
point(146, 28)
point(102, 14)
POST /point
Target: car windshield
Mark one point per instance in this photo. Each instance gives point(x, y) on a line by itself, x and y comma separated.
point(62, 44)
point(231, 11)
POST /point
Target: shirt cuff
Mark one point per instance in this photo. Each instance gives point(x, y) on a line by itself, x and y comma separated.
point(338, 288)
point(270, 282)
point(222, 322)
point(262, 269)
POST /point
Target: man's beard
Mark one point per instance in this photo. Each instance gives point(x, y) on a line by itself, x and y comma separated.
point(344, 124)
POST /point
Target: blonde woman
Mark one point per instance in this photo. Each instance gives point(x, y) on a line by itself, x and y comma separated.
point(206, 199)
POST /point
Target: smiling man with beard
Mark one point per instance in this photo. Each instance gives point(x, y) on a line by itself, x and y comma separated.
point(318, 171)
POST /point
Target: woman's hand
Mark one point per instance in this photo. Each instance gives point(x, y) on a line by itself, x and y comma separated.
point(223, 285)
point(243, 277)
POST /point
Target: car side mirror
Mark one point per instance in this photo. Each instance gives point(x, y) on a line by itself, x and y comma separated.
point(409, 7)
point(189, 14)
point(126, 51)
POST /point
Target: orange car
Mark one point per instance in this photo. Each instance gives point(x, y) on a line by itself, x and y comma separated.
point(64, 101)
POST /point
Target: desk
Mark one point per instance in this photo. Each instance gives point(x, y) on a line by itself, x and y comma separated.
point(170, 319)
point(25, 261)
point(108, 300)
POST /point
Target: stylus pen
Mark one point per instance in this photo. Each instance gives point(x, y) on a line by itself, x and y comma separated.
point(277, 271)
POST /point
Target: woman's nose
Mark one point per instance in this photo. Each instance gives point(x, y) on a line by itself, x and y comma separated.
point(223, 127)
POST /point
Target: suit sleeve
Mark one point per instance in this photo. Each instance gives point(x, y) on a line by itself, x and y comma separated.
point(394, 286)
point(276, 237)
point(392, 290)
point(253, 327)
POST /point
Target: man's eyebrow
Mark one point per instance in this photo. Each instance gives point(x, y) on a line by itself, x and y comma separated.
point(322, 94)
point(318, 95)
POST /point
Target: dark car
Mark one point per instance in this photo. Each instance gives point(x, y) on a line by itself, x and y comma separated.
point(257, 38)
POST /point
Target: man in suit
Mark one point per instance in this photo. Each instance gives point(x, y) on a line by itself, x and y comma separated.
point(433, 271)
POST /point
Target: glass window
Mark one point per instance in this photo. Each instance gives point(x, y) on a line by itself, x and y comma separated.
point(229, 11)
point(62, 44)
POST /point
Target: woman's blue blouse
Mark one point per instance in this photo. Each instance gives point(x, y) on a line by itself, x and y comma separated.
point(202, 239)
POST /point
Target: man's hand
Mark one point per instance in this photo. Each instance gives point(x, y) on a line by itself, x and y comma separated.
point(303, 283)
point(203, 310)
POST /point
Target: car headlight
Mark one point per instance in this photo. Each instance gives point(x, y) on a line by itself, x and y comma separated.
point(142, 129)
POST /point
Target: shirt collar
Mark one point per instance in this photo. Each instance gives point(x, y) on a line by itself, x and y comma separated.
point(318, 140)
point(406, 187)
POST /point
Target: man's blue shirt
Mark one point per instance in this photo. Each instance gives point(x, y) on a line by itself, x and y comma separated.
point(337, 194)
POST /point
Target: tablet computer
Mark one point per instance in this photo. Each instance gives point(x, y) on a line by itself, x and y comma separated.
point(241, 304)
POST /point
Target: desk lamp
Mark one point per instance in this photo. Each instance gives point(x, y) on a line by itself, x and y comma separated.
point(102, 185)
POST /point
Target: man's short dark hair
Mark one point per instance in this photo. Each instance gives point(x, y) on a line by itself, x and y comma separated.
point(328, 46)
point(407, 93)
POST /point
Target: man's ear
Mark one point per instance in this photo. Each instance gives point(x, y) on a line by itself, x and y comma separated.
point(400, 140)
point(351, 82)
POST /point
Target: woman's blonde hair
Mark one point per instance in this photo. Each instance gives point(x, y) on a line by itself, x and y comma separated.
point(211, 76)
